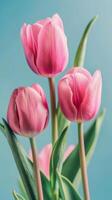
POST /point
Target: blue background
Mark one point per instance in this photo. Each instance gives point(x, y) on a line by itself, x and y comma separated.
point(14, 72)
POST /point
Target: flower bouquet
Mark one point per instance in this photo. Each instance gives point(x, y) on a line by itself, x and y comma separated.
point(56, 172)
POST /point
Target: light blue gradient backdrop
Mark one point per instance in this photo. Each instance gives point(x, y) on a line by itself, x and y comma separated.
point(14, 72)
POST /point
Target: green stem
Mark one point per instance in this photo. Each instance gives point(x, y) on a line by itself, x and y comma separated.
point(36, 169)
point(83, 162)
point(53, 110)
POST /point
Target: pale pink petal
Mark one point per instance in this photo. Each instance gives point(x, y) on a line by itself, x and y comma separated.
point(23, 35)
point(92, 99)
point(80, 70)
point(26, 38)
point(29, 36)
point(43, 21)
point(68, 151)
point(44, 159)
point(57, 20)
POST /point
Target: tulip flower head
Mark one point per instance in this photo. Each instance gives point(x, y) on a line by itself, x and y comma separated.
point(45, 156)
point(45, 46)
point(28, 110)
point(80, 94)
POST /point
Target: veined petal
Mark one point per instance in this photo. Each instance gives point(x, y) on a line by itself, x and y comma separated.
point(66, 100)
point(29, 46)
point(80, 70)
point(12, 115)
point(52, 50)
point(29, 104)
point(35, 29)
point(92, 99)
point(78, 85)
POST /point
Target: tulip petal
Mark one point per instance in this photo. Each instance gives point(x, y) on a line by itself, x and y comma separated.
point(44, 159)
point(41, 92)
point(68, 151)
point(92, 99)
point(79, 82)
point(52, 50)
point(29, 104)
point(23, 35)
point(29, 38)
point(43, 98)
point(66, 99)
point(43, 21)
point(80, 70)
point(35, 29)
point(57, 20)
point(12, 116)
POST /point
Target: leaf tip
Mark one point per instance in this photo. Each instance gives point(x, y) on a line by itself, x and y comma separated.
point(95, 17)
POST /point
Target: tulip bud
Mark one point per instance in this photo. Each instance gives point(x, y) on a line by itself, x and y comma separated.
point(28, 110)
point(45, 46)
point(80, 94)
point(45, 156)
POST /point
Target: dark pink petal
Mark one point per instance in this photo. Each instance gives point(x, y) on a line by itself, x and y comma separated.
point(65, 95)
point(12, 113)
point(32, 113)
point(43, 98)
point(78, 83)
point(52, 50)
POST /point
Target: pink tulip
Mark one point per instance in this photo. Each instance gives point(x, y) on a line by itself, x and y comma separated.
point(80, 94)
point(45, 156)
point(28, 110)
point(45, 46)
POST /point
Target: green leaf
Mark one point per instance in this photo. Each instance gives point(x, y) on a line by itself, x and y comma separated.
point(46, 187)
point(71, 166)
point(22, 189)
point(56, 157)
point(21, 161)
point(62, 121)
point(18, 196)
point(81, 51)
point(2, 128)
point(67, 189)
point(45, 184)
point(25, 166)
